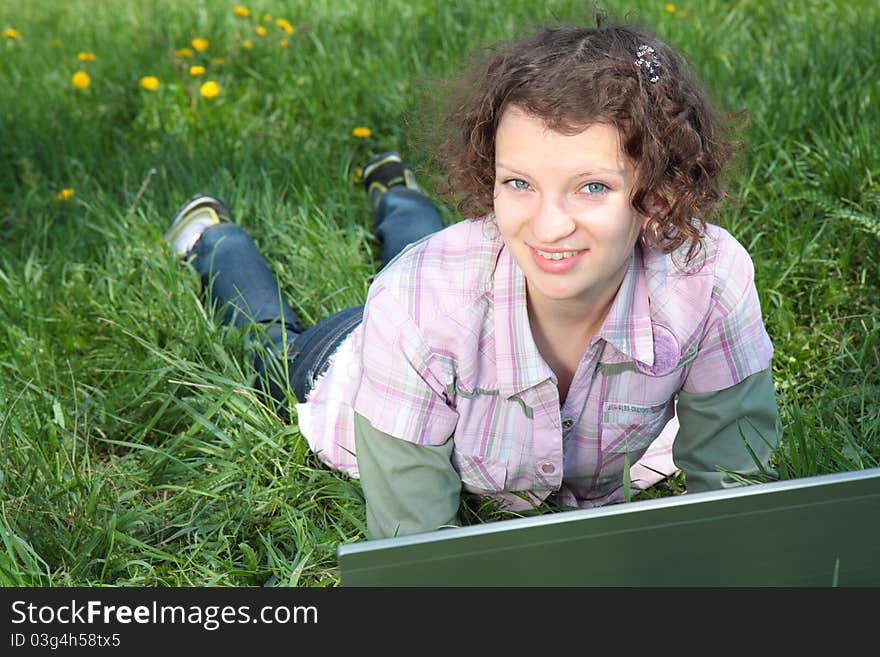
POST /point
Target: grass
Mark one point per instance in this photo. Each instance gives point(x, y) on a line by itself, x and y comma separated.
point(132, 448)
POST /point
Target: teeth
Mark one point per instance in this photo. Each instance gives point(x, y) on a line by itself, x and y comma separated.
point(556, 256)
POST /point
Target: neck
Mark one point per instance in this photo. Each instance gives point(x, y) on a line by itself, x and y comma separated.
point(562, 332)
point(571, 317)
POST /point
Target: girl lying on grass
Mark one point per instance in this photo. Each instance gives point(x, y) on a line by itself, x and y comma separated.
point(534, 353)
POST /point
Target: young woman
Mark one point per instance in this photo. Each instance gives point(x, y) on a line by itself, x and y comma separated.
point(535, 352)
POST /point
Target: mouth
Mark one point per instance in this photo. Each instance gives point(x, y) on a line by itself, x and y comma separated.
point(556, 262)
point(556, 255)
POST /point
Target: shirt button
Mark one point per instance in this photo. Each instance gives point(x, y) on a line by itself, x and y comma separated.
point(548, 468)
point(566, 423)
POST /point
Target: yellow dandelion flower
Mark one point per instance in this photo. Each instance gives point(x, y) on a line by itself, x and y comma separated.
point(248, 44)
point(65, 194)
point(11, 33)
point(86, 56)
point(149, 82)
point(681, 13)
point(670, 8)
point(200, 44)
point(356, 175)
point(210, 89)
point(81, 80)
point(196, 70)
point(267, 18)
point(218, 61)
point(244, 12)
point(285, 25)
point(261, 30)
point(361, 132)
point(183, 53)
point(284, 43)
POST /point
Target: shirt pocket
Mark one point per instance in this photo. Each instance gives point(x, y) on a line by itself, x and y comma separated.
point(480, 474)
point(632, 428)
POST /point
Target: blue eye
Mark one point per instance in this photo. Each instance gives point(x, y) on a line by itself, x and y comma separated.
point(595, 188)
point(516, 183)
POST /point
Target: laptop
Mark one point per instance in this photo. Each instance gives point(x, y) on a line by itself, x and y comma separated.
point(818, 531)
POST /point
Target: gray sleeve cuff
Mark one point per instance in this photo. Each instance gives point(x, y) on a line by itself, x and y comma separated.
point(408, 488)
point(731, 430)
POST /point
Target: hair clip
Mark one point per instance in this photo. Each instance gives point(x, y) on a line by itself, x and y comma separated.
point(647, 59)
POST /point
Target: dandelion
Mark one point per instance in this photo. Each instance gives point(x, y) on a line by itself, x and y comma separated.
point(210, 89)
point(81, 80)
point(65, 194)
point(361, 132)
point(247, 44)
point(267, 18)
point(283, 43)
point(86, 56)
point(200, 44)
point(183, 53)
point(11, 33)
point(149, 82)
point(243, 12)
point(196, 70)
point(681, 13)
point(218, 61)
point(356, 175)
point(670, 8)
point(261, 30)
point(285, 25)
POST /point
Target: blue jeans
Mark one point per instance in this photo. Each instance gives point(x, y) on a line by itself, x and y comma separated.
point(238, 279)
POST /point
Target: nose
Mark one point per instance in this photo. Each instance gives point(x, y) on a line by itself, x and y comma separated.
point(551, 222)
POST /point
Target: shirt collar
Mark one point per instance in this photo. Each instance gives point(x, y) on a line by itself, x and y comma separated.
point(520, 365)
point(628, 326)
point(517, 360)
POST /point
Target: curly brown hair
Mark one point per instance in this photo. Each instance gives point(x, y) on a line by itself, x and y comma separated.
point(572, 77)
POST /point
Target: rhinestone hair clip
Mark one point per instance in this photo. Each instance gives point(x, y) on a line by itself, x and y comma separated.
point(648, 60)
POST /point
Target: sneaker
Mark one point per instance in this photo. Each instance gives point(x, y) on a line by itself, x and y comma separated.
point(384, 171)
point(196, 215)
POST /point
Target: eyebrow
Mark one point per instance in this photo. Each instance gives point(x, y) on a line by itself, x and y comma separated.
point(597, 171)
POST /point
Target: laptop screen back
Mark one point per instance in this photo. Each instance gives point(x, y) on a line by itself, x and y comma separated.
point(813, 531)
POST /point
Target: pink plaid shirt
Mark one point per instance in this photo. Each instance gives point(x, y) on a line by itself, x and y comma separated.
point(445, 350)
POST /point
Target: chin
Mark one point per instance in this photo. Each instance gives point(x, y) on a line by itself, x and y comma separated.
point(557, 293)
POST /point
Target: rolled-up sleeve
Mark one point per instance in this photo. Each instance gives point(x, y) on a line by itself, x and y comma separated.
point(729, 431)
point(402, 387)
point(408, 488)
point(734, 342)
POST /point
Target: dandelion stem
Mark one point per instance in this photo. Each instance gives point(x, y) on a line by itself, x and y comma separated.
point(143, 188)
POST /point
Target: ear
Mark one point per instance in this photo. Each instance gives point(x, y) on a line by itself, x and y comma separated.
point(657, 203)
point(654, 206)
point(657, 206)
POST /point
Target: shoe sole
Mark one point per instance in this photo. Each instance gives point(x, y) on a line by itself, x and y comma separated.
point(385, 159)
point(213, 205)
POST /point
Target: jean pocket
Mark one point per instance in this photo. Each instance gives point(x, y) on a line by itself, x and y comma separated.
point(309, 356)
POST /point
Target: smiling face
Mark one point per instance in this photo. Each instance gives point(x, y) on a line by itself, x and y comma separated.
point(562, 204)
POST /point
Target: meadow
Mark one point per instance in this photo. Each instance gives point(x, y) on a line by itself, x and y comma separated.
point(133, 450)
